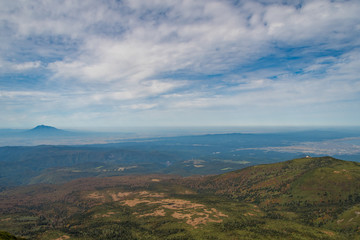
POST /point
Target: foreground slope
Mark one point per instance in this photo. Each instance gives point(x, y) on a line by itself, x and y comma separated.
point(308, 198)
point(7, 236)
point(318, 189)
point(306, 180)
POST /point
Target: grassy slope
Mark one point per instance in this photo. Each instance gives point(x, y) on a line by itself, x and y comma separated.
point(317, 191)
point(300, 199)
point(315, 180)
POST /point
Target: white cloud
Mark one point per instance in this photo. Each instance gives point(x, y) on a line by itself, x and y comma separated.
point(27, 65)
point(144, 55)
point(316, 21)
point(17, 94)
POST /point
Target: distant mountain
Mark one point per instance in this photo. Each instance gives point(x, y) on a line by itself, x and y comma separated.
point(43, 130)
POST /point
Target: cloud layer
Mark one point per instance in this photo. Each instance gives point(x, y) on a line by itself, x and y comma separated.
point(154, 63)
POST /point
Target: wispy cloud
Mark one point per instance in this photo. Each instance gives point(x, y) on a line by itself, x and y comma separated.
point(26, 65)
point(111, 62)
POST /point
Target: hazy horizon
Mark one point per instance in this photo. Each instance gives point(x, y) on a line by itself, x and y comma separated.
point(249, 128)
point(22, 137)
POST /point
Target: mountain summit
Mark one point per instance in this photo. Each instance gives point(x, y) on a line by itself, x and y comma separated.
point(44, 128)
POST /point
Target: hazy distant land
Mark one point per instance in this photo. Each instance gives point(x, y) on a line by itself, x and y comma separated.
point(50, 155)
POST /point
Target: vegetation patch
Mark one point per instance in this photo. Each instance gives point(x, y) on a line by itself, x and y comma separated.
point(64, 237)
point(194, 213)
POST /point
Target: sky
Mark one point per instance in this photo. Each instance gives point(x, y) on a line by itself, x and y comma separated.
point(107, 63)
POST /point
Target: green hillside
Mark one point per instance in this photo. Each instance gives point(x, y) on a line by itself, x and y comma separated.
point(308, 198)
point(318, 190)
point(305, 180)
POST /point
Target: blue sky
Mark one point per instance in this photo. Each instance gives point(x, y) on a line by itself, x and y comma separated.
point(90, 64)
